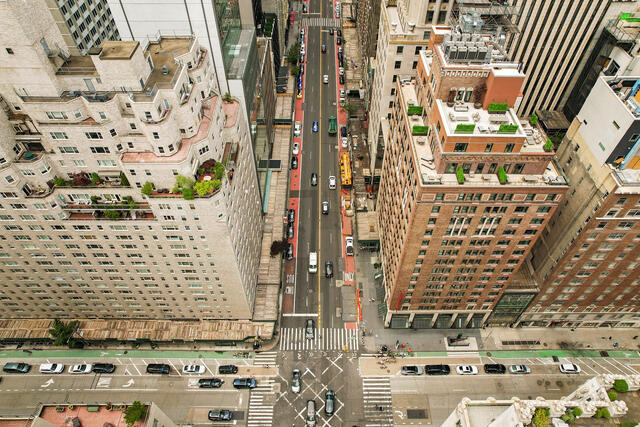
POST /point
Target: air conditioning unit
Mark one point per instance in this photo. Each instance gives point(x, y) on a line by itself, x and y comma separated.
point(411, 26)
point(421, 141)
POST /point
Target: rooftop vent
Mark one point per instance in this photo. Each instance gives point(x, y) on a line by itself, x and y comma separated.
point(412, 26)
point(165, 69)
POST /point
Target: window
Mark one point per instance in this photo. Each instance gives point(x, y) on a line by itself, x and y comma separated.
point(479, 167)
point(544, 209)
point(79, 163)
point(156, 135)
point(58, 135)
point(107, 163)
point(460, 147)
point(93, 135)
point(112, 132)
point(488, 148)
point(72, 150)
point(9, 179)
point(414, 65)
point(9, 51)
point(99, 150)
point(509, 148)
point(56, 115)
point(418, 49)
point(397, 65)
point(399, 49)
point(616, 125)
point(492, 168)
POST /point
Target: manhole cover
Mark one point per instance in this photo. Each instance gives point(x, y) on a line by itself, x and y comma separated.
point(412, 414)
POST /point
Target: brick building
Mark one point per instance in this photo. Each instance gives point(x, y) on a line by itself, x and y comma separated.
point(466, 188)
point(587, 261)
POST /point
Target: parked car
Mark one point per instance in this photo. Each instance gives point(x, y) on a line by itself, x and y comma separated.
point(348, 244)
point(325, 79)
point(295, 381)
point(210, 383)
point(339, 33)
point(289, 250)
point(290, 231)
point(314, 179)
point(341, 71)
point(245, 383)
point(325, 208)
point(301, 69)
point(311, 413)
point(51, 368)
point(227, 369)
point(193, 369)
point(291, 215)
point(569, 368)
point(341, 93)
point(315, 126)
point(301, 59)
point(158, 368)
point(16, 368)
point(467, 370)
point(341, 79)
point(301, 32)
point(299, 96)
point(328, 269)
point(338, 41)
point(310, 329)
point(332, 182)
point(80, 369)
point(104, 368)
point(329, 402)
point(340, 56)
point(411, 370)
point(345, 142)
point(519, 369)
point(294, 162)
point(296, 149)
point(297, 128)
point(495, 368)
point(437, 369)
point(343, 131)
point(220, 415)
point(330, 31)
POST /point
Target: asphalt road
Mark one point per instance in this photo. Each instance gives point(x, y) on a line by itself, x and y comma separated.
point(315, 294)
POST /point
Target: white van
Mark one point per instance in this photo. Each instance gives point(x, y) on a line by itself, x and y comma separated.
point(51, 368)
point(313, 262)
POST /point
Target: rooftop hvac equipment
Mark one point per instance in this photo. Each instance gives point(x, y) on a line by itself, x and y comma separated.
point(165, 69)
point(412, 26)
point(461, 107)
point(483, 129)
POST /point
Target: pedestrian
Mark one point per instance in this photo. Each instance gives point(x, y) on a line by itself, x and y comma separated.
point(397, 344)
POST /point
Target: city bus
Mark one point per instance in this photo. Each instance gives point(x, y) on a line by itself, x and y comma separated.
point(333, 125)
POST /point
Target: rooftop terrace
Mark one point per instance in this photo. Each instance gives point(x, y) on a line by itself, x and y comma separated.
point(118, 49)
point(478, 122)
point(163, 54)
point(425, 159)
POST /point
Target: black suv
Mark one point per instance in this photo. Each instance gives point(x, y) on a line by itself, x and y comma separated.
point(158, 368)
point(437, 369)
point(245, 383)
point(495, 368)
point(220, 415)
point(103, 368)
point(228, 369)
point(343, 131)
point(210, 383)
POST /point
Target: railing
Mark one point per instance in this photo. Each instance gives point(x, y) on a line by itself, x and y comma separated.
point(164, 115)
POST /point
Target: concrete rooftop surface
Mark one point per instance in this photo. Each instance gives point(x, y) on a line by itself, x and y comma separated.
point(118, 49)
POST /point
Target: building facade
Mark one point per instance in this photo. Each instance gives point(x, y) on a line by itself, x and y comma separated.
point(466, 188)
point(588, 259)
point(97, 157)
point(403, 31)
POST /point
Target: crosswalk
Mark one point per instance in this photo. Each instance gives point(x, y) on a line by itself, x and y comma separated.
point(261, 401)
point(268, 358)
point(377, 401)
point(324, 339)
point(320, 22)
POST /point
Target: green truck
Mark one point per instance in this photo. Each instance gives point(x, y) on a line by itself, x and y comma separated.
point(333, 125)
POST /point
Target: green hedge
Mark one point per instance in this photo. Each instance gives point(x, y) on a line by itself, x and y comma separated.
point(506, 128)
point(465, 128)
point(419, 130)
point(620, 386)
point(414, 110)
point(498, 107)
point(502, 176)
point(548, 146)
point(460, 175)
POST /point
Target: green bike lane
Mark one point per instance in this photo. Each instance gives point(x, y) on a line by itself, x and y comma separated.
point(134, 354)
point(527, 354)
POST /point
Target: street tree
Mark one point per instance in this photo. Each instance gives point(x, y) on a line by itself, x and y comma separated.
point(62, 332)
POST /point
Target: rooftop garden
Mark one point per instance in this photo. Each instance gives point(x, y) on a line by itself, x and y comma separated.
point(208, 181)
point(414, 110)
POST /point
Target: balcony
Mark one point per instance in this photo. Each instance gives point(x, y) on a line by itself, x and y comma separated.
point(29, 156)
point(163, 116)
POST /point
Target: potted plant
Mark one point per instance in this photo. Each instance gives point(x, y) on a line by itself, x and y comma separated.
point(147, 188)
point(548, 146)
point(460, 175)
point(123, 179)
point(502, 176)
point(533, 120)
point(94, 200)
point(95, 178)
point(108, 406)
point(59, 182)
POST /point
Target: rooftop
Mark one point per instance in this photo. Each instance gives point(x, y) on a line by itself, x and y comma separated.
point(118, 49)
point(626, 90)
point(163, 54)
point(481, 122)
point(80, 65)
point(425, 159)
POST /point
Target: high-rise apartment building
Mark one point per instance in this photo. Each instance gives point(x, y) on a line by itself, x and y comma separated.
point(81, 139)
point(553, 42)
point(587, 261)
point(403, 31)
point(466, 187)
point(83, 24)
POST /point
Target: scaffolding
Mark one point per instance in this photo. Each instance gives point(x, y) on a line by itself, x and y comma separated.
point(485, 16)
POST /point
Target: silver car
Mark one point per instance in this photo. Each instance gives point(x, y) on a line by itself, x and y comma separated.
point(519, 369)
point(295, 381)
